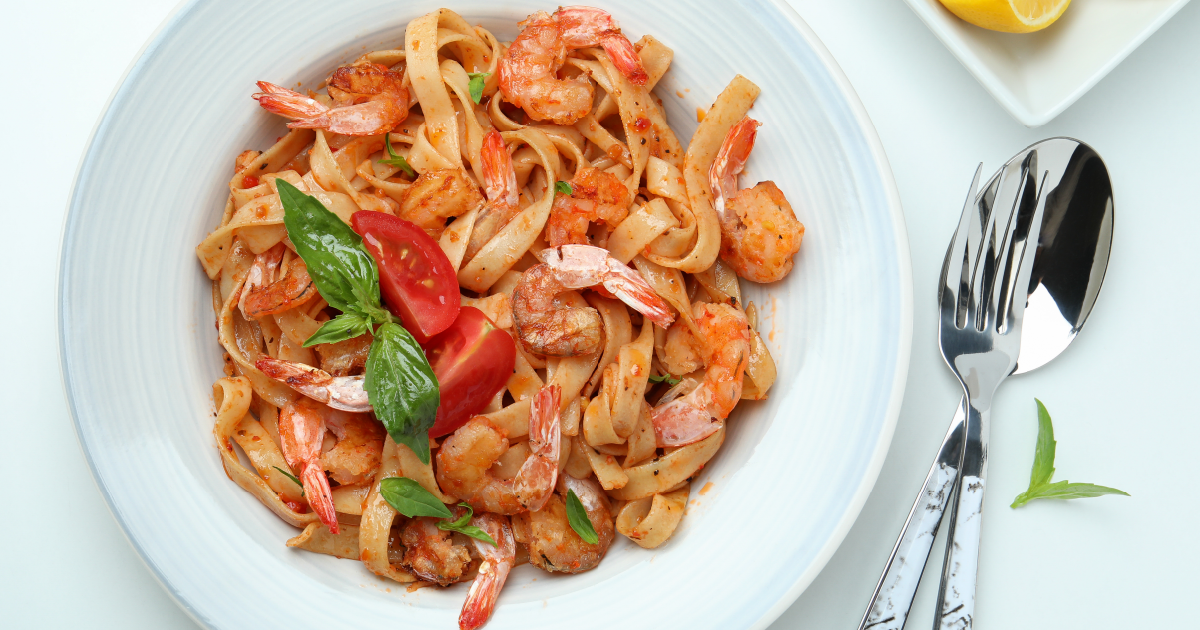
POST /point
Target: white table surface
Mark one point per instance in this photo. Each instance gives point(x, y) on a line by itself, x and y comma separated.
point(1118, 395)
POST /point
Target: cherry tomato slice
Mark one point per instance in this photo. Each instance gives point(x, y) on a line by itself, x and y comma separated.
point(473, 359)
point(417, 281)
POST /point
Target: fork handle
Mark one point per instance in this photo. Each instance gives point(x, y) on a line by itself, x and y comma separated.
point(893, 597)
point(956, 595)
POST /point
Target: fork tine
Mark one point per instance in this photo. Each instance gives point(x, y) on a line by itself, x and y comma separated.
point(992, 245)
point(1014, 308)
point(999, 294)
point(955, 268)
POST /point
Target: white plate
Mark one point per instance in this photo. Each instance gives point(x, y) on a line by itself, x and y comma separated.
point(1036, 76)
point(139, 351)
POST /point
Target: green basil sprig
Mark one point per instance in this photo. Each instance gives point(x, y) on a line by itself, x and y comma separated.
point(395, 159)
point(665, 378)
point(475, 86)
point(400, 383)
point(563, 187)
point(1040, 486)
point(292, 477)
point(409, 498)
point(577, 516)
point(462, 527)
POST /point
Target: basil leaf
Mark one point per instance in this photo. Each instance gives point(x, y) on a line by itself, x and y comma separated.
point(577, 516)
point(395, 159)
point(1066, 490)
point(563, 187)
point(1040, 486)
point(345, 273)
point(410, 499)
point(665, 378)
point(345, 326)
point(461, 526)
point(472, 531)
point(475, 87)
point(292, 477)
point(402, 388)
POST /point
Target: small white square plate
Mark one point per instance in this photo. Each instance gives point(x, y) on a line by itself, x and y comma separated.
point(1036, 76)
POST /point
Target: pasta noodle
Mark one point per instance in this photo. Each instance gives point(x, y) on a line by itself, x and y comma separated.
point(570, 214)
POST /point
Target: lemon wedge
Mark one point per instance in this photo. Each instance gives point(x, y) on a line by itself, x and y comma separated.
point(1009, 16)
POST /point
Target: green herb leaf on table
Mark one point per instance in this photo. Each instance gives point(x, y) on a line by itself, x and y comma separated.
point(402, 388)
point(292, 477)
point(563, 187)
point(461, 526)
point(577, 516)
point(475, 86)
point(395, 159)
point(345, 326)
point(345, 273)
point(410, 499)
point(665, 378)
point(1040, 486)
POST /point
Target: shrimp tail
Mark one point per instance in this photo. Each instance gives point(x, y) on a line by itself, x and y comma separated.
point(320, 497)
point(500, 179)
point(343, 392)
point(280, 100)
point(497, 562)
point(631, 288)
point(625, 58)
point(730, 160)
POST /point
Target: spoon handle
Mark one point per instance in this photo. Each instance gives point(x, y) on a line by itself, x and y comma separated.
point(893, 597)
point(956, 595)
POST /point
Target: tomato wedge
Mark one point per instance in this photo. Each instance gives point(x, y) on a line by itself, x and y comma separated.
point(473, 359)
point(417, 281)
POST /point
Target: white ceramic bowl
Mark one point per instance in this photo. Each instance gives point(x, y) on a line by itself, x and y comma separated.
point(139, 351)
point(1037, 76)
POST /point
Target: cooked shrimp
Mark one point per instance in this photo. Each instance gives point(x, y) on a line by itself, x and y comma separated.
point(528, 73)
point(432, 554)
point(534, 482)
point(554, 546)
point(759, 230)
point(500, 184)
point(436, 196)
point(301, 433)
point(725, 349)
point(369, 100)
point(497, 562)
point(466, 457)
point(596, 195)
point(340, 392)
point(359, 448)
point(546, 330)
point(266, 295)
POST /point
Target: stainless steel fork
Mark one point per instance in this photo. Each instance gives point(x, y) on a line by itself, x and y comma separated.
point(982, 304)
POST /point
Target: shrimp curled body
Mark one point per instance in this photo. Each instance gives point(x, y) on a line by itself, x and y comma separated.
point(759, 230)
point(725, 348)
point(528, 72)
point(368, 100)
point(465, 459)
point(554, 546)
point(596, 195)
point(546, 330)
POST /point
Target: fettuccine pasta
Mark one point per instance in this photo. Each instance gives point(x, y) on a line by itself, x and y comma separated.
point(593, 264)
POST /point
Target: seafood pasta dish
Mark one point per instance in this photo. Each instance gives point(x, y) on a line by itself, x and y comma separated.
point(480, 306)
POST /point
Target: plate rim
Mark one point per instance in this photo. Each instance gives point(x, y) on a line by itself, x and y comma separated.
point(887, 181)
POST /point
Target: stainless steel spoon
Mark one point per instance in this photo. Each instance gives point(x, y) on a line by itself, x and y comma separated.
point(1072, 256)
